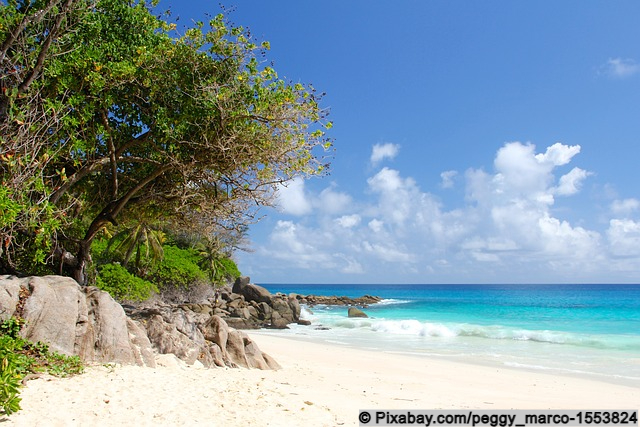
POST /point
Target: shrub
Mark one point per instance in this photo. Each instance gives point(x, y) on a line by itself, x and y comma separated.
point(178, 268)
point(227, 271)
point(10, 379)
point(122, 285)
point(19, 357)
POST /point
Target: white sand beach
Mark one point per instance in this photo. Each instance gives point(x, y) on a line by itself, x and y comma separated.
point(318, 385)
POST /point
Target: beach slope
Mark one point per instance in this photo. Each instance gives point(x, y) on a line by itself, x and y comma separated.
point(318, 385)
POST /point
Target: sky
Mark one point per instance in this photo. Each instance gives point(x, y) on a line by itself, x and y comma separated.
point(475, 141)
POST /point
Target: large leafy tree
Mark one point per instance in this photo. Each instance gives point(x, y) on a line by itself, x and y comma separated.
point(106, 111)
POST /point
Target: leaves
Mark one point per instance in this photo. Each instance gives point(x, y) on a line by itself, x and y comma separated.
point(127, 115)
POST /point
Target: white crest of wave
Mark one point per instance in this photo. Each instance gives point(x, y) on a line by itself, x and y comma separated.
point(413, 327)
point(307, 314)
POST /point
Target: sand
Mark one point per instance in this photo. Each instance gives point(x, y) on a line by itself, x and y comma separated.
point(319, 385)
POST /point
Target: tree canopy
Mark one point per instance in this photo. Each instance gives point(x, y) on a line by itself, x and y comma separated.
point(107, 111)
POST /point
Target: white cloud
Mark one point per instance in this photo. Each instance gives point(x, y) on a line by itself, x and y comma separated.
point(348, 221)
point(295, 199)
point(560, 238)
point(383, 151)
point(332, 202)
point(400, 203)
point(292, 198)
point(519, 170)
point(385, 181)
point(571, 182)
point(352, 266)
point(506, 226)
point(518, 198)
point(376, 225)
point(620, 68)
point(625, 207)
point(387, 252)
point(624, 237)
point(447, 178)
point(558, 154)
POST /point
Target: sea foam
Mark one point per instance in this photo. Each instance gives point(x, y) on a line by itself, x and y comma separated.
point(493, 332)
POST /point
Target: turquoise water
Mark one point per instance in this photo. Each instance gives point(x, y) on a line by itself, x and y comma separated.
point(585, 330)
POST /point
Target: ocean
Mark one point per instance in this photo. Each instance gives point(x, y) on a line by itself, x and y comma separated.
point(584, 330)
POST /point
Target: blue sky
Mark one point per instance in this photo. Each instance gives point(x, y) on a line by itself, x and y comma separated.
point(476, 141)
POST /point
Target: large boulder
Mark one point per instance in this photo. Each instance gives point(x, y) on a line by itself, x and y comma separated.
point(251, 292)
point(74, 320)
point(244, 352)
point(278, 322)
point(207, 339)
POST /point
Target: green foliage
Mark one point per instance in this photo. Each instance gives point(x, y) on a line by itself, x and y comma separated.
point(10, 382)
point(19, 357)
point(123, 285)
point(184, 266)
point(62, 366)
point(10, 362)
point(11, 327)
point(179, 268)
point(142, 239)
point(107, 115)
point(227, 271)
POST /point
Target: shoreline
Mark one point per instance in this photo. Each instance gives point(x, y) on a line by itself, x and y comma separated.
point(457, 378)
point(319, 384)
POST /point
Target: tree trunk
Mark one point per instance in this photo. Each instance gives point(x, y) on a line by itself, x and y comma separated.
point(78, 271)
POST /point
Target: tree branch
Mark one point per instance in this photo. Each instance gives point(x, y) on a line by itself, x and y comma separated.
point(26, 20)
point(112, 158)
point(113, 209)
point(53, 33)
point(94, 166)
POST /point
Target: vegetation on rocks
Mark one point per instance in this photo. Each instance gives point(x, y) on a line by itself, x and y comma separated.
point(19, 357)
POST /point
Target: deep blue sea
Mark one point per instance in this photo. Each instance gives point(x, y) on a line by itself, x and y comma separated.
point(584, 330)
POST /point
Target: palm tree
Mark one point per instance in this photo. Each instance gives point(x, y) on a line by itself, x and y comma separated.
point(211, 252)
point(142, 238)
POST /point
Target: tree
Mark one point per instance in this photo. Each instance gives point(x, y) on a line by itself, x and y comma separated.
point(142, 238)
point(133, 116)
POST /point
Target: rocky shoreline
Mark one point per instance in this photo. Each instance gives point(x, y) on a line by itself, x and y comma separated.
point(249, 306)
point(87, 322)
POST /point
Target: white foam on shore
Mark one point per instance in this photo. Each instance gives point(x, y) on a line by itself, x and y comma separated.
point(493, 332)
point(555, 351)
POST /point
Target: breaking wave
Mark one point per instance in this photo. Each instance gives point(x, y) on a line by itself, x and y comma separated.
point(448, 331)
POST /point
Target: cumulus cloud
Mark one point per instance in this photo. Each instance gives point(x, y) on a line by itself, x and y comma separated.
point(348, 221)
point(624, 237)
point(518, 198)
point(388, 252)
point(295, 199)
point(522, 171)
point(383, 151)
point(558, 154)
point(376, 225)
point(620, 68)
point(332, 201)
point(292, 199)
point(571, 182)
point(625, 207)
point(352, 266)
point(505, 224)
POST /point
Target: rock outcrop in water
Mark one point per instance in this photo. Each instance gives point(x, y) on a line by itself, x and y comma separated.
point(250, 306)
point(356, 312)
